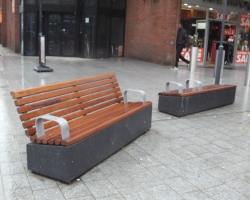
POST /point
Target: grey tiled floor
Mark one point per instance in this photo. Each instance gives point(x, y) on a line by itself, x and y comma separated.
point(203, 156)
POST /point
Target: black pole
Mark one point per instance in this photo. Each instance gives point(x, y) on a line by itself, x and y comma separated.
point(220, 53)
point(41, 45)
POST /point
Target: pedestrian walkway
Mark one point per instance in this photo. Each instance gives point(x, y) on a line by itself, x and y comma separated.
point(204, 156)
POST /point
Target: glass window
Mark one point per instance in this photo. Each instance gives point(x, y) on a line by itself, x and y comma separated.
point(30, 2)
point(68, 34)
point(54, 36)
point(88, 36)
point(218, 15)
point(118, 4)
point(89, 2)
point(103, 37)
point(59, 2)
point(30, 34)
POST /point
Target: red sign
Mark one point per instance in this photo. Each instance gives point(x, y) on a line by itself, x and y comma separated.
point(244, 20)
point(241, 57)
point(219, 16)
point(230, 32)
point(186, 54)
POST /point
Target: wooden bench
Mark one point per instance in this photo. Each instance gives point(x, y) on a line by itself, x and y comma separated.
point(187, 101)
point(76, 124)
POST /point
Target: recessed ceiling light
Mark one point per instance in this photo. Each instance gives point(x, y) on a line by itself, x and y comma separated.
point(210, 8)
point(190, 6)
point(197, 6)
point(185, 4)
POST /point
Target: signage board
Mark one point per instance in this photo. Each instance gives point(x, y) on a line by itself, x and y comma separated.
point(244, 20)
point(42, 50)
point(241, 57)
point(186, 55)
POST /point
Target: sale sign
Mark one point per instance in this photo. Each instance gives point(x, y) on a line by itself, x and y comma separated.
point(244, 20)
point(187, 56)
point(219, 16)
point(230, 31)
point(241, 57)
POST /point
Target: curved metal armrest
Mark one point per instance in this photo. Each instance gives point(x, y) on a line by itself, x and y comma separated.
point(198, 82)
point(178, 84)
point(140, 91)
point(61, 121)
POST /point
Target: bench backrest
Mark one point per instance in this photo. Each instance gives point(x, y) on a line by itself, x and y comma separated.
point(69, 99)
point(195, 91)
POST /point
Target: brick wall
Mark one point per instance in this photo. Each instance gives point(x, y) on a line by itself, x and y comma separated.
point(150, 26)
point(11, 26)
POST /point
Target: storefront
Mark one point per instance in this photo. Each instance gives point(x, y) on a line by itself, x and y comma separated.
point(203, 20)
point(88, 29)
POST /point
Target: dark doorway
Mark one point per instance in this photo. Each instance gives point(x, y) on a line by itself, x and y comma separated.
point(61, 34)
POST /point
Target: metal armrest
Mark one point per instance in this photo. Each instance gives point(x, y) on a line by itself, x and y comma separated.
point(198, 82)
point(140, 91)
point(61, 121)
point(178, 84)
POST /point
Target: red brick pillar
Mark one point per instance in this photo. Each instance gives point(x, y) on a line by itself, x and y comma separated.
point(4, 23)
point(151, 26)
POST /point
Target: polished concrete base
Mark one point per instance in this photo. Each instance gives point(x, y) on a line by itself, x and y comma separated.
point(68, 163)
point(42, 68)
point(181, 106)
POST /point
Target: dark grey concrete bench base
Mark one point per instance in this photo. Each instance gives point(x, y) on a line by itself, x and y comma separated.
point(181, 106)
point(68, 163)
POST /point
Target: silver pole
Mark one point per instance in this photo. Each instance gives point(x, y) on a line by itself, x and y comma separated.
point(247, 77)
point(194, 56)
point(222, 63)
point(218, 67)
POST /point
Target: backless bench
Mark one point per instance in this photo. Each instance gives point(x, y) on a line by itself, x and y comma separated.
point(187, 101)
point(76, 124)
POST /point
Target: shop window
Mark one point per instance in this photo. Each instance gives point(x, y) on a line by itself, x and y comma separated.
point(30, 34)
point(88, 36)
point(117, 35)
point(103, 37)
point(230, 16)
point(243, 40)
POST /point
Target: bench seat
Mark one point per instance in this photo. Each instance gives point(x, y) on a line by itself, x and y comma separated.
point(193, 100)
point(83, 127)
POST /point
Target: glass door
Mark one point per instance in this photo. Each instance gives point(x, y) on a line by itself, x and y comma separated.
point(61, 34)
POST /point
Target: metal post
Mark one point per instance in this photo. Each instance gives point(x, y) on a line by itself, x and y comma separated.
point(218, 67)
point(222, 63)
point(247, 77)
point(41, 41)
point(193, 60)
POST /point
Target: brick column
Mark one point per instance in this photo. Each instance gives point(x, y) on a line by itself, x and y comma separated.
point(4, 23)
point(150, 27)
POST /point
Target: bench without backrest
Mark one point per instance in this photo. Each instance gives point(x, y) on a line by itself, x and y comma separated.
point(182, 102)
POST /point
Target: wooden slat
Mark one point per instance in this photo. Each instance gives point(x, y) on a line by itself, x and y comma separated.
point(64, 98)
point(55, 86)
point(80, 112)
point(114, 98)
point(195, 91)
point(56, 93)
point(62, 105)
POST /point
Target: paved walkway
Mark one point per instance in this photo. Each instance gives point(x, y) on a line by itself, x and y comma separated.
point(203, 156)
